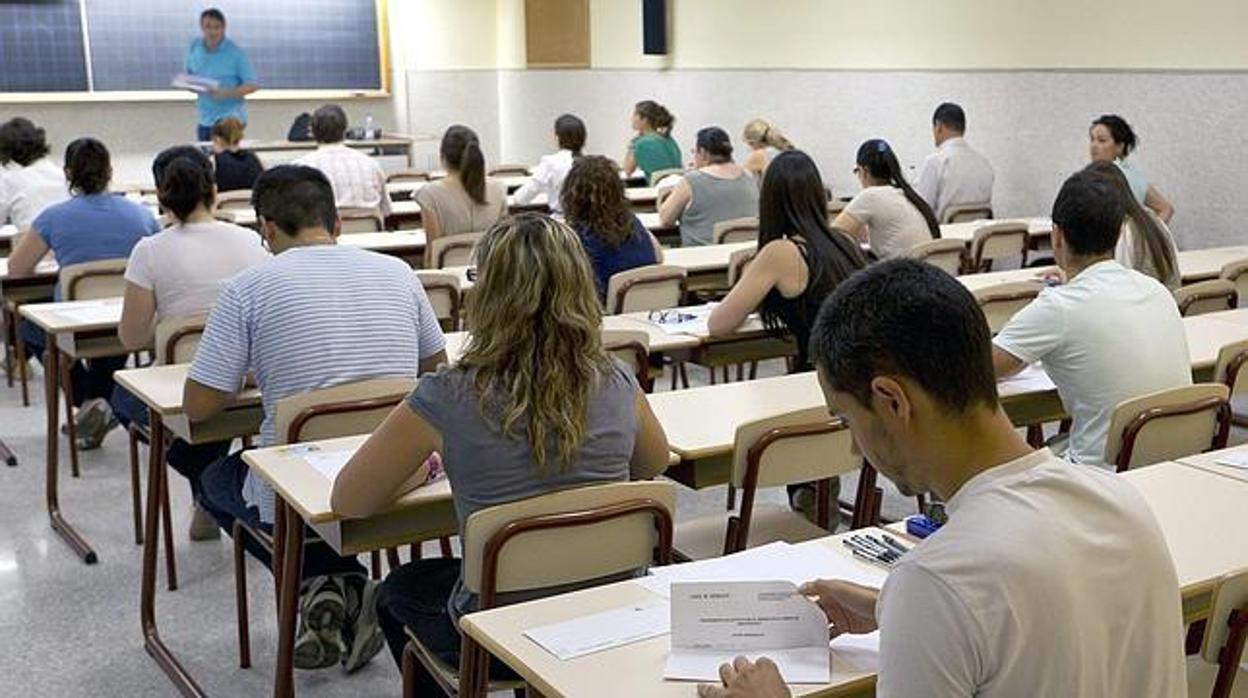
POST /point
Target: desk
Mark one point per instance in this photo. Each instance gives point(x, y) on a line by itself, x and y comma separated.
point(395, 141)
point(1202, 265)
point(1208, 462)
point(14, 291)
point(705, 266)
point(1037, 228)
point(8, 236)
point(408, 245)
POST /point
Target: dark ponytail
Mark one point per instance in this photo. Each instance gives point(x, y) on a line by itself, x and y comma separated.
point(461, 151)
point(184, 180)
point(879, 160)
point(1146, 225)
point(657, 115)
point(88, 166)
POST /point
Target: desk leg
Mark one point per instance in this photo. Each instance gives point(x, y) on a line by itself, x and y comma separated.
point(7, 456)
point(51, 374)
point(151, 539)
point(288, 600)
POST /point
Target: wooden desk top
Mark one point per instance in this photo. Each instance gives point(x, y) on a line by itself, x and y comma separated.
point(704, 258)
point(975, 282)
point(1208, 462)
point(160, 388)
point(1207, 334)
point(1037, 227)
point(387, 241)
point(74, 316)
point(46, 269)
point(1202, 265)
point(658, 340)
point(650, 219)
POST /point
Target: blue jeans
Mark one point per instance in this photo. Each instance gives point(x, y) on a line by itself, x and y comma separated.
point(203, 133)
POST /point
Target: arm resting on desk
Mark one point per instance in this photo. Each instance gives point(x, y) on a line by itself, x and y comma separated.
point(777, 260)
point(201, 402)
point(29, 250)
point(138, 312)
point(1005, 364)
point(376, 474)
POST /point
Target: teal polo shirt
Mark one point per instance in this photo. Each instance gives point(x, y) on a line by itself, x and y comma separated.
point(228, 65)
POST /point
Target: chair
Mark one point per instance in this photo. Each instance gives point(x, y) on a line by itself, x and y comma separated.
point(567, 537)
point(735, 230)
point(658, 175)
point(1206, 297)
point(452, 250)
point(509, 171)
point(633, 348)
point(408, 176)
point(1226, 371)
point(652, 287)
point(443, 291)
point(942, 253)
point(963, 213)
point(1168, 424)
point(995, 241)
point(357, 219)
point(1213, 671)
point(1001, 301)
point(343, 410)
point(1237, 273)
point(737, 262)
point(237, 200)
point(801, 446)
point(835, 206)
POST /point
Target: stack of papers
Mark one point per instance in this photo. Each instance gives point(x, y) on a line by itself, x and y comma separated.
point(93, 312)
point(781, 561)
point(195, 83)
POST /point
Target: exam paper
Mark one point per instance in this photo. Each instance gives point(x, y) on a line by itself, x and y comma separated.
point(1238, 459)
point(1032, 379)
point(108, 311)
point(602, 631)
point(328, 463)
point(687, 321)
point(195, 83)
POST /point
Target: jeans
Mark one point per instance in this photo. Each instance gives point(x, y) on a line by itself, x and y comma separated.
point(203, 133)
point(221, 495)
point(92, 378)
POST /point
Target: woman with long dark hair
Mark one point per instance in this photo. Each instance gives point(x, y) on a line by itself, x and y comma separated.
point(888, 213)
point(1111, 139)
point(1145, 243)
point(465, 201)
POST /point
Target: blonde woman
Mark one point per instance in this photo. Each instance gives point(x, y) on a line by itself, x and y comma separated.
point(534, 405)
point(766, 142)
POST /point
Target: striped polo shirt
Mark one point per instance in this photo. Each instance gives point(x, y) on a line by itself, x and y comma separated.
point(310, 318)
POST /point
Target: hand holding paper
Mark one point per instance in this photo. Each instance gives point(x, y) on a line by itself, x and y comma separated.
point(849, 607)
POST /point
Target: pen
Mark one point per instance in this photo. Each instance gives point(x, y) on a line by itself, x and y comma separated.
point(871, 559)
point(873, 551)
point(895, 545)
point(875, 546)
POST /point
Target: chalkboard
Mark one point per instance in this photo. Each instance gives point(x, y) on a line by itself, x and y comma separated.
point(141, 44)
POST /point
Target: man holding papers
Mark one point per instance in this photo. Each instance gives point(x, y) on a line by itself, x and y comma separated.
point(219, 72)
point(1048, 579)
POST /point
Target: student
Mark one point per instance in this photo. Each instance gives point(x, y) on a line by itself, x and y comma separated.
point(236, 168)
point(1145, 243)
point(717, 190)
point(358, 180)
point(314, 316)
point(549, 174)
point(535, 405)
point(30, 181)
point(1110, 139)
point(93, 225)
point(955, 174)
point(596, 208)
point(1047, 580)
point(653, 148)
point(1107, 334)
point(888, 214)
point(766, 142)
point(176, 274)
point(465, 201)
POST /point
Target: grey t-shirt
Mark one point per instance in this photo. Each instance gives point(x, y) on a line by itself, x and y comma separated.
point(486, 468)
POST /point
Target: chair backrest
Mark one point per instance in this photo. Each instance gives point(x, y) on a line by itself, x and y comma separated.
point(793, 447)
point(943, 253)
point(1237, 273)
point(1228, 616)
point(1206, 297)
point(633, 348)
point(565, 537)
point(1231, 358)
point(104, 278)
point(963, 213)
point(997, 241)
point(658, 175)
point(235, 200)
point(738, 261)
point(735, 230)
point(343, 410)
point(442, 289)
point(835, 206)
point(1168, 424)
point(452, 250)
point(356, 219)
point(508, 171)
point(652, 287)
point(1001, 301)
point(408, 176)
point(178, 338)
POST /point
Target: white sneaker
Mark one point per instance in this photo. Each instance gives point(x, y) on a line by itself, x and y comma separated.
point(203, 526)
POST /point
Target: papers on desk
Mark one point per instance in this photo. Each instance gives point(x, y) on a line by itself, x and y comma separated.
point(1032, 379)
point(684, 320)
point(712, 622)
point(195, 83)
point(328, 463)
point(602, 631)
point(1238, 459)
point(89, 313)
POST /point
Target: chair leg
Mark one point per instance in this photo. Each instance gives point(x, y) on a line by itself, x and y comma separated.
point(19, 346)
point(753, 370)
point(240, 598)
point(392, 556)
point(732, 497)
point(684, 376)
point(67, 386)
point(472, 678)
point(409, 671)
point(9, 361)
point(446, 547)
point(135, 494)
point(166, 514)
point(1035, 435)
point(375, 560)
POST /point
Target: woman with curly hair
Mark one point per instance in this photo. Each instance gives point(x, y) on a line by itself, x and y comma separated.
point(596, 208)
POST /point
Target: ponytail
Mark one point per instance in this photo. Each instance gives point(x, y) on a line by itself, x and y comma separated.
point(461, 151)
point(185, 185)
point(759, 133)
point(1150, 229)
point(657, 115)
point(879, 160)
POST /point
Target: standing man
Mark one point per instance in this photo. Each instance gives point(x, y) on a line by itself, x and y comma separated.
point(216, 57)
point(955, 174)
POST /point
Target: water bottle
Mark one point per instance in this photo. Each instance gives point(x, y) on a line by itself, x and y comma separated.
point(371, 132)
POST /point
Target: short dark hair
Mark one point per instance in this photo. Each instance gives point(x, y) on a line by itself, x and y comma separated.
point(570, 131)
point(1090, 213)
point(21, 142)
point(212, 13)
point(715, 141)
point(294, 197)
point(88, 166)
point(329, 124)
point(906, 317)
point(184, 180)
point(1119, 130)
point(950, 115)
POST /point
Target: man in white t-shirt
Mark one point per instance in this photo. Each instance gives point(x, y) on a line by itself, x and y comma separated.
point(358, 180)
point(29, 180)
point(956, 174)
point(1108, 334)
point(1047, 580)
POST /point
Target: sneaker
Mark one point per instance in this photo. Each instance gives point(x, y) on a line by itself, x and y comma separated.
point(203, 526)
point(362, 635)
point(93, 422)
point(319, 643)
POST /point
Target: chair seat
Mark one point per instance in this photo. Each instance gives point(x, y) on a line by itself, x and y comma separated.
point(1202, 674)
point(450, 674)
point(703, 538)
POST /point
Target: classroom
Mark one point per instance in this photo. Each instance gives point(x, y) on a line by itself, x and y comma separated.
point(595, 348)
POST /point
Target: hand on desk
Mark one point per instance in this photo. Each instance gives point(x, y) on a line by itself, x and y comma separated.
point(746, 679)
point(850, 607)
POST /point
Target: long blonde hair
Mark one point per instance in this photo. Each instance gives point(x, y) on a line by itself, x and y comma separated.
point(536, 340)
point(759, 134)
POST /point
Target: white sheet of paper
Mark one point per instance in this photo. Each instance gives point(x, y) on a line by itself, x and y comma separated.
point(601, 631)
point(195, 83)
point(782, 561)
point(1032, 379)
point(1238, 459)
point(688, 321)
point(328, 463)
point(859, 652)
point(93, 312)
point(712, 622)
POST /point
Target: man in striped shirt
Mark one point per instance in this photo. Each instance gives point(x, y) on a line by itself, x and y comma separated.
point(314, 316)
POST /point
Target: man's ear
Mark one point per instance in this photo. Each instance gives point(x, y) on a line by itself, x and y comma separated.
point(337, 229)
point(889, 399)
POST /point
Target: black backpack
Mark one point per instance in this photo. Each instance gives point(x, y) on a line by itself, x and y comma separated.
point(301, 130)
